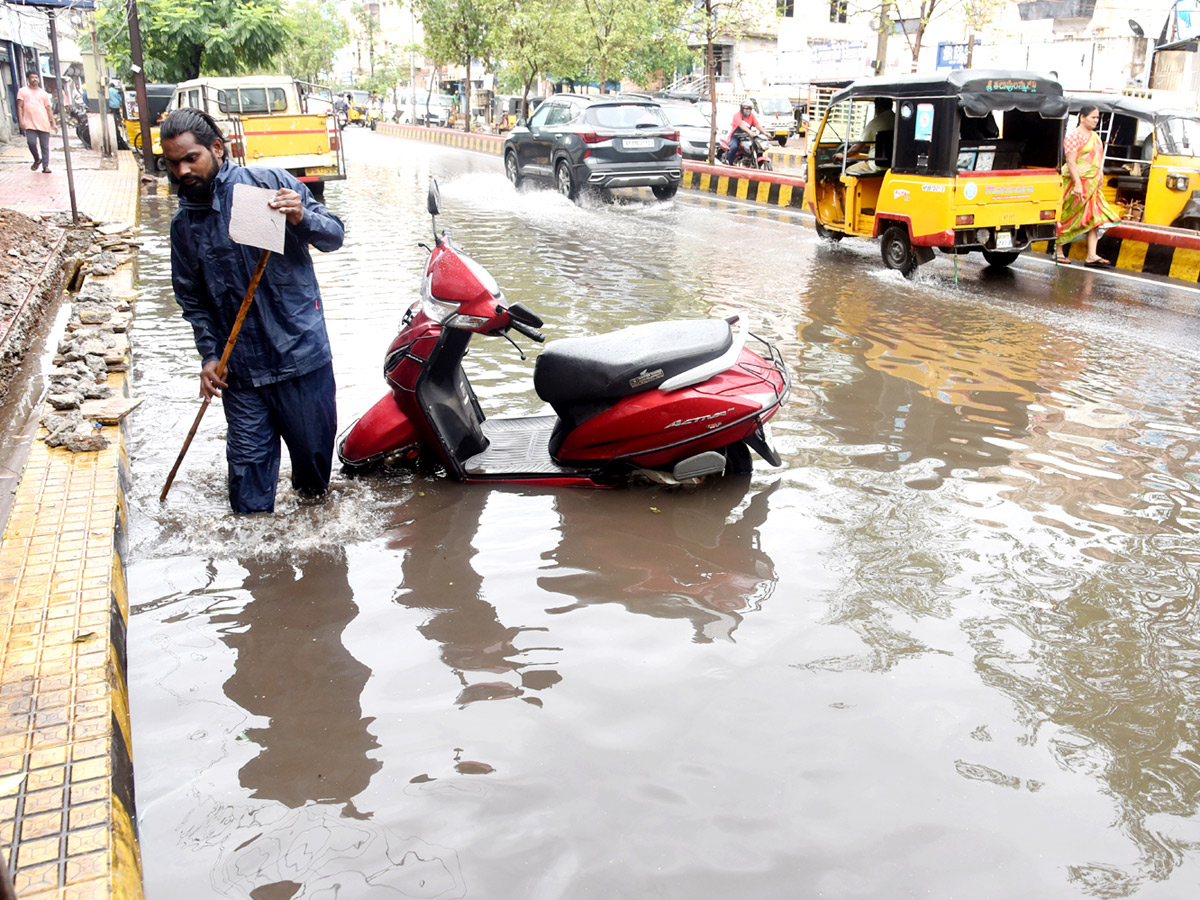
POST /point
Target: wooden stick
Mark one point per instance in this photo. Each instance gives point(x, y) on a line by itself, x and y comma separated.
point(233, 336)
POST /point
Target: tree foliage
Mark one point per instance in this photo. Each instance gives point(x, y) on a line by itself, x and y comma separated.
point(534, 37)
point(185, 40)
point(316, 33)
point(457, 32)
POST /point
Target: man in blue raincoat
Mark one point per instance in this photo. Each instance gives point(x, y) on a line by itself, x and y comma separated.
point(279, 381)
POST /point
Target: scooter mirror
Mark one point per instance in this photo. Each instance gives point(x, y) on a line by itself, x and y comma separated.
point(435, 198)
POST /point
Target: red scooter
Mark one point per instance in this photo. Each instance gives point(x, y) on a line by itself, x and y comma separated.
point(670, 401)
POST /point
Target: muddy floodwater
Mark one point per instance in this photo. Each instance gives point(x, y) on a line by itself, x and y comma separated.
point(949, 649)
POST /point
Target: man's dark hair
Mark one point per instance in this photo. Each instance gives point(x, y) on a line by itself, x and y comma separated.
point(189, 119)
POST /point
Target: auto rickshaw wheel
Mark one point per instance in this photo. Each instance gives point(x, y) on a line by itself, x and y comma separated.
point(782, 141)
point(1000, 258)
point(897, 250)
point(827, 234)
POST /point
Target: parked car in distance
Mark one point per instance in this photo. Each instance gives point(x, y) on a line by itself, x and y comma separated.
point(595, 142)
point(693, 126)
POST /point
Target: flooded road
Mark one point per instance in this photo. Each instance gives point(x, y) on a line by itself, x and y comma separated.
point(948, 649)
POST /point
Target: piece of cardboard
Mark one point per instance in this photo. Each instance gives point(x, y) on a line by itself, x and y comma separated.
point(253, 222)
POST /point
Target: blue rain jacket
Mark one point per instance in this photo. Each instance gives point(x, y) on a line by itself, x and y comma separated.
point(284, 333)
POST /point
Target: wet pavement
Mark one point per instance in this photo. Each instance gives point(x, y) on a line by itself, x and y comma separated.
point(947, 649)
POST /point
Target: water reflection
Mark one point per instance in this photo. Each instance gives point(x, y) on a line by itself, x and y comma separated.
point(293, 669)
point(675, 556)
point(439, 578)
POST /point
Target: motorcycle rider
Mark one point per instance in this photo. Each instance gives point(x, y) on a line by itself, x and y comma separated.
point(745, 124)
point(341, 107)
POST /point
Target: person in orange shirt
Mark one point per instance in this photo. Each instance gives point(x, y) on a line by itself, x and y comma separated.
point(34, 114)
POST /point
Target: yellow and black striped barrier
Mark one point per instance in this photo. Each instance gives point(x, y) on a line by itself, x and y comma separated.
point(480, 143)
point(1149, 249)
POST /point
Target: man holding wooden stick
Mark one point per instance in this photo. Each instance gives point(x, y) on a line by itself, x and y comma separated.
point(279, 382)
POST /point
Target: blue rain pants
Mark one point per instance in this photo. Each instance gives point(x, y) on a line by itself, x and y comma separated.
point(299, 410)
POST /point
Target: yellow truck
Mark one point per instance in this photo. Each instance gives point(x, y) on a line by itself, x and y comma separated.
point(271, 120)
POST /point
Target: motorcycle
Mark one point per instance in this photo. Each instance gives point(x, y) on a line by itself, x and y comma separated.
point(77, 116)
point(752, 152)
point(666, 402)
point(343, 118)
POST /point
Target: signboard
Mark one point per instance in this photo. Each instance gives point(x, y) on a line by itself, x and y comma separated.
point(839, 59)
point(57, 4)
point(953, 56)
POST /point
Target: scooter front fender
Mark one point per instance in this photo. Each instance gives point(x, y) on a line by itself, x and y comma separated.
point(383, 430)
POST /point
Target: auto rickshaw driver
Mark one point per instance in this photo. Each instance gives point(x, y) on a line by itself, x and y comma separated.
point(883, 121)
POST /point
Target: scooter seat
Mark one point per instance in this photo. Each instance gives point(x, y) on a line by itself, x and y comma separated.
point(620, 363)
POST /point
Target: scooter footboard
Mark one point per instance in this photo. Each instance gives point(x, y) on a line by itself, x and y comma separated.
point(381, 431)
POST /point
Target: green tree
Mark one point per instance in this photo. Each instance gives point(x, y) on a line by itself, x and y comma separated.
point(715, 18)
point(616, 29)
point(368, 25)
point(537, 36)
point(184, 40)
point(316, 33)
point(664, 48)
point(456, 32)
point(391, 68)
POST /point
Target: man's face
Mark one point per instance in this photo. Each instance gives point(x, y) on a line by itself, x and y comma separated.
point(34, 81)
point(746, 110)
point(193, 165)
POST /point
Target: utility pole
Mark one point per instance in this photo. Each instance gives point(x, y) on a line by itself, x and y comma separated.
point(139, 84)
point(62, 112)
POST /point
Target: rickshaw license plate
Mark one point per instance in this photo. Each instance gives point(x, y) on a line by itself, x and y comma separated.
point(637, 143)
point(321, 170)
point(1003, 240)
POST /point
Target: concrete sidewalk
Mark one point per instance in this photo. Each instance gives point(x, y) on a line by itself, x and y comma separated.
point(105, 189)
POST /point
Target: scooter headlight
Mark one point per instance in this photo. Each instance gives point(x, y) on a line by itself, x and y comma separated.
point(438, 310)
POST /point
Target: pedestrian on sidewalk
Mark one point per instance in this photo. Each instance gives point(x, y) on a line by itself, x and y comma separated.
point(279, 383)
point(34, 115)
point(114, 108)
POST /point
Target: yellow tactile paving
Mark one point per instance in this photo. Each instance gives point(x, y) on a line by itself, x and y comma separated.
point(67, 827)
point(65, 728)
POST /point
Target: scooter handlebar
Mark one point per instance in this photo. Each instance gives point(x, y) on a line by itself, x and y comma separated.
point(528, 330)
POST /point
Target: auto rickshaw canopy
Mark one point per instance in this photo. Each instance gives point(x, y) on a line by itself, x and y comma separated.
point(978, 92)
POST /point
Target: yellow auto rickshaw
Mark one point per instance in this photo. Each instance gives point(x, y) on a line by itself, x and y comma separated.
point(961, 161)
point(1151, 158)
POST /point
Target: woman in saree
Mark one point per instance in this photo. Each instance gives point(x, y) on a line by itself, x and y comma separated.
point(1085, 208)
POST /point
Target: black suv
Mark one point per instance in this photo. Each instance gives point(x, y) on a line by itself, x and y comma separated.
point(596, 142)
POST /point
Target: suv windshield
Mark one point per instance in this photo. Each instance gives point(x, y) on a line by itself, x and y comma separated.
point(629, 115)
